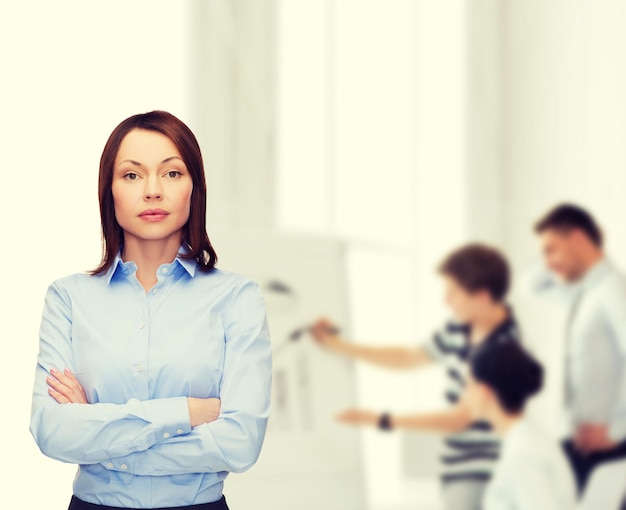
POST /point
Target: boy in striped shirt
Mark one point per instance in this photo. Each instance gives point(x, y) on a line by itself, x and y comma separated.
point(476, 279)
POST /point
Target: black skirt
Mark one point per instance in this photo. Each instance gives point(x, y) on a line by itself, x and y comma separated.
point(79, 504)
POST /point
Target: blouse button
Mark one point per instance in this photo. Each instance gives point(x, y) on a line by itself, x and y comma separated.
point(124, 466)
point(166, 435)
point(109, 465)
point(179, 431)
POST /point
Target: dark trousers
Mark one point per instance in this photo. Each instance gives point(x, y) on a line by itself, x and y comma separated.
point(583, 465)
point(79, 504)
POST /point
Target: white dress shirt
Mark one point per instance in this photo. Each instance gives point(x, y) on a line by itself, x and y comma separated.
point(532, 473)
point(595, 345)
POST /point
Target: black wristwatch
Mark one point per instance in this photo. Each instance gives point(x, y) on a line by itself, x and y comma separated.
point(384, 422)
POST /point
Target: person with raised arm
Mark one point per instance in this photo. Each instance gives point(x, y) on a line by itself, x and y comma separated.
point(476, 279)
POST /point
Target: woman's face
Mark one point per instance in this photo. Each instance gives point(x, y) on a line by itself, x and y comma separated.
point(151, 187)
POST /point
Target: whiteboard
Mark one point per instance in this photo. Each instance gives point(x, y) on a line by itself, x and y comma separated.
point(308, 461)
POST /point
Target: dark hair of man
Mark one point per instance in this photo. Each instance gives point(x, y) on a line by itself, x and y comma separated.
point(567, 217)
point(477, 267)
point(512, 373)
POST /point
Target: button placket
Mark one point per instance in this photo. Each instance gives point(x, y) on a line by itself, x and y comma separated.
point(141, 345)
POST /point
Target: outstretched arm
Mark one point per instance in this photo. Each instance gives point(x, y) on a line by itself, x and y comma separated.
point(453, 420)
point(389, 357)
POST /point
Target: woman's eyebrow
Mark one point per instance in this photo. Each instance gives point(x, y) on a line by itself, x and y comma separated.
point(170, 159)
point(136, 163)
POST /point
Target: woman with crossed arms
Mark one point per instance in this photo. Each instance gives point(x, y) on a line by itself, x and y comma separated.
point(154, 369)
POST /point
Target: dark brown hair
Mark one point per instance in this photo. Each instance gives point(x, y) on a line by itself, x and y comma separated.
point(566, 217)
point(511, 372)
point(195, 238)
point(478, 267)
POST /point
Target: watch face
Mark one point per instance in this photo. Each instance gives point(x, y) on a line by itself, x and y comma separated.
point(384, 422)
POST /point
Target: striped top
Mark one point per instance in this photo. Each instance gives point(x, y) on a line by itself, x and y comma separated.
point(470, 454)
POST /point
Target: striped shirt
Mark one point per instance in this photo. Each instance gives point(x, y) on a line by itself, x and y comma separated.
point(471, 453)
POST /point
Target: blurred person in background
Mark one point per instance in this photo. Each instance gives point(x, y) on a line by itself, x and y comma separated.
point(154, 369)
point(533, 472)
point(476, 279)
point(578, 273)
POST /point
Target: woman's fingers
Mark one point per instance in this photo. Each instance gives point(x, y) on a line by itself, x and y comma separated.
point(61, 399)
point(58, 387)
point(324, 332)
point(76, 385)
point(65, 384)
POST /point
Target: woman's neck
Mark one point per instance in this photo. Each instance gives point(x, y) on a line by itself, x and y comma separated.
point(503, 422)
point(148, 255)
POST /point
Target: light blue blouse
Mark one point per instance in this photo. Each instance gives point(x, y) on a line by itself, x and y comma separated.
point(139, 355)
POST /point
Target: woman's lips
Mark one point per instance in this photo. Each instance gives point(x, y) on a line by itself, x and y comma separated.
point(153, 215)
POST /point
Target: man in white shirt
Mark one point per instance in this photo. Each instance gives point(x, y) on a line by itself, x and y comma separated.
point(595, 365)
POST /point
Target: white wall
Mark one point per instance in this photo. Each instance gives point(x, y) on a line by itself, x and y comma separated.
point(232, 90)
point(372, 148)
point(563, 80)
point(71, 71)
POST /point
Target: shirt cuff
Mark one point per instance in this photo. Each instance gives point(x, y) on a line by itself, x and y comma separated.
point(169, 417)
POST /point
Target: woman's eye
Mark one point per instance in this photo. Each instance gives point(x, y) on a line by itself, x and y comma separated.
point(131, 176)
point(172, 174)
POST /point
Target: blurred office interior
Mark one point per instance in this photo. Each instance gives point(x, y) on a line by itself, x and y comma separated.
point(393, 129)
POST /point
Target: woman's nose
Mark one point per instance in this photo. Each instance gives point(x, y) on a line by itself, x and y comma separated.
point(153, 189)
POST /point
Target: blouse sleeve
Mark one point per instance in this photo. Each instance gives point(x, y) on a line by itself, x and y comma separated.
point(233, 442)
point(92, 433)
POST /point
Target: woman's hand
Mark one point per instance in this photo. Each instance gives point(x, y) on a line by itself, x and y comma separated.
point(65, 388)
point(324, 332)
point(203, 410)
